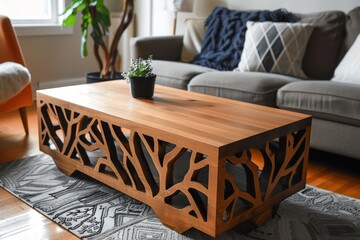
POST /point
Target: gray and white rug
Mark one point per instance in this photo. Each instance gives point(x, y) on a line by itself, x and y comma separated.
point(92, 210)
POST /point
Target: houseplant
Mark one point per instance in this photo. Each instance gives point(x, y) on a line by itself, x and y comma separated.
point(141, 78)
point(96, 16)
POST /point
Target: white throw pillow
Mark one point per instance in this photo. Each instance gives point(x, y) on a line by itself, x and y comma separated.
point(193, 38)
point(348, 69)
point(275, 47)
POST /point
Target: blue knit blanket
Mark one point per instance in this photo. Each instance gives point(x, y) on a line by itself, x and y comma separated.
point(225, 35)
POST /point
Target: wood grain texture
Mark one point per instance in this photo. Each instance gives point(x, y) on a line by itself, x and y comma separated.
point(216, 122)
point(207, 134)
point(19, 221)
point(331, 172)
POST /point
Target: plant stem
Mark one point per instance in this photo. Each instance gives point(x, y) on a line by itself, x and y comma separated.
point(125, 21)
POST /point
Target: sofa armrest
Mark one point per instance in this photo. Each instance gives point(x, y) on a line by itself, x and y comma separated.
point(162, 47)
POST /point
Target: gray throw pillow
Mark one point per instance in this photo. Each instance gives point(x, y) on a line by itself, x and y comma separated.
point(352, 30)
point(275, 48)
point(322, 50)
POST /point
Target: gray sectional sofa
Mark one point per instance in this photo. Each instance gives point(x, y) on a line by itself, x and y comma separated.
point(334, 105)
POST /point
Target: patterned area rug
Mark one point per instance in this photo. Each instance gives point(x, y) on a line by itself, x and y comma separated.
point(92, 210)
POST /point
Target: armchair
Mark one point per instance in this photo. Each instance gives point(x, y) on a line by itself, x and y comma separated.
point(11, 52)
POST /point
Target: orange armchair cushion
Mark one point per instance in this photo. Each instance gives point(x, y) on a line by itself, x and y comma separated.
point(22, 99)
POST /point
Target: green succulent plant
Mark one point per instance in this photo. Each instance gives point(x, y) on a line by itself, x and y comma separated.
point(139, 68)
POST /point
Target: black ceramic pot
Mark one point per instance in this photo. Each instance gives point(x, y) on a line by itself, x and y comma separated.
point(94, 77)
point(142, 87)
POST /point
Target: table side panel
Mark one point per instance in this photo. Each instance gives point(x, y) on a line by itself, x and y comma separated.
point(273, 171)
point(176, 181)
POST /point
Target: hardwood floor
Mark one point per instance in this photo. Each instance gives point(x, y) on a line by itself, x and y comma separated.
point(19, 221)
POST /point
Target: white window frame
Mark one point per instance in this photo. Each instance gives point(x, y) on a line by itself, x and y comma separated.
point(44, 27)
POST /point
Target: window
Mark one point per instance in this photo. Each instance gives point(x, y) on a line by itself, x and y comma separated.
point(35, 17)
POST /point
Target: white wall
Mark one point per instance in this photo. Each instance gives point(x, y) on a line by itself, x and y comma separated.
point(56, 58)
point(152, 19)
point(299, 6)
point(203, 8)
point(143, 19)
point(162, 20)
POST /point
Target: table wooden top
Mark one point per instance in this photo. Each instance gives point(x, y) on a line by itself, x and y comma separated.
point(209, 120)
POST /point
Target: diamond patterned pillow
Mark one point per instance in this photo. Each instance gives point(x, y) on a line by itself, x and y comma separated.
point(275, 48)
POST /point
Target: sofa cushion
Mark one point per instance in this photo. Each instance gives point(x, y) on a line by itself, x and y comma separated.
point(193, 36)
point(333, 101)
point(321, 55)
point(259, 88)
point(176, 74)
point(348, 69)
point(275, 48)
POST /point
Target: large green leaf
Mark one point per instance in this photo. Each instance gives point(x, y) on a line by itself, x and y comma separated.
point(72, 5)
point(83, 49)
point(86, 21)
point(69, 14)
point(101, 20)
point(94, 14)
point(70, 20)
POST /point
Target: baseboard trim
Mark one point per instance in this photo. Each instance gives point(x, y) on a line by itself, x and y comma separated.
point(60, 83)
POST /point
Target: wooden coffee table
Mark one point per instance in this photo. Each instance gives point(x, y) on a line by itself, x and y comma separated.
point(199, 161)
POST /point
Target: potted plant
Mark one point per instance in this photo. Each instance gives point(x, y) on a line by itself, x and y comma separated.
point(141, 78)
point(95, 15)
